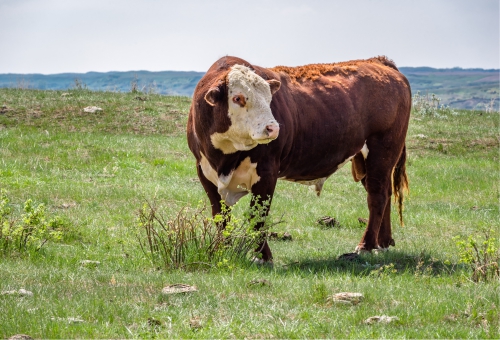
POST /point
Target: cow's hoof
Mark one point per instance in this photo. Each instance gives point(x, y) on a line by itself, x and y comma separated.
point(380, 250)
point(261, 262)
point(385, 244)
point(362, 250)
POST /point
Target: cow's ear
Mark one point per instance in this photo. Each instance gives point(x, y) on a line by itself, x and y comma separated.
point(214, 94)
point(274, 85)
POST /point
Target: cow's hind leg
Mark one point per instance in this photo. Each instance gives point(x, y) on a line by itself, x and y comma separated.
point(385, 233)
point(384, 237)
point(377, 182)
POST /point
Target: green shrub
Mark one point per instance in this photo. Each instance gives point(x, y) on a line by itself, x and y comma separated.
point(28, 232)
point(481, 255)
point(190, 238)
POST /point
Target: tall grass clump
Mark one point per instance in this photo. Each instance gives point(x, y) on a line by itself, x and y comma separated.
point(190, 238)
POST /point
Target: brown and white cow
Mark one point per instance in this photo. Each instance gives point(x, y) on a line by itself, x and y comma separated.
point(250, 126)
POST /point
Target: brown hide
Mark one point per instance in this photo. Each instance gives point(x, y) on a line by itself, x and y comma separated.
point(326, 113)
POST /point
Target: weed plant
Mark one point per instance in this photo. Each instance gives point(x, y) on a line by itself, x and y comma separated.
point(429, 105)
point(30, 231)
point(190, 239)
point(482, 255)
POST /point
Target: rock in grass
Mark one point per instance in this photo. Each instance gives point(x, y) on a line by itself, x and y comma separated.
point(381, 319)
point(4, 109)
point(20, 292)
point(195, 323)
point(20, 337)
point(260, 282)
point(178, 288)
point(92, 109)
point(154, 322)
point(90, 263)
point(260, 262)
point(68, 320)
point(328, 222)
point(362, 221)
point(347, 298)
point(286, 236)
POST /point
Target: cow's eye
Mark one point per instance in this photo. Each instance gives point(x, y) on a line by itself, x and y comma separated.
point(240, 100)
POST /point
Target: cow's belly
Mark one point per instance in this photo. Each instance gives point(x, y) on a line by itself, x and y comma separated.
point(317, 183)
point(235, 185)
point(319, 180)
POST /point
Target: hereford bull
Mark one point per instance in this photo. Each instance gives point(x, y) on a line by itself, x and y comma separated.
point(249, 126)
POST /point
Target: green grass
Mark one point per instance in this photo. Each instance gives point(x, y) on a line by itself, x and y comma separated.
point(96, 170)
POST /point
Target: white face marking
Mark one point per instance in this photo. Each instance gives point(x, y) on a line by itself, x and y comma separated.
point(235, 185)
point(365, 151)
point(252, 122)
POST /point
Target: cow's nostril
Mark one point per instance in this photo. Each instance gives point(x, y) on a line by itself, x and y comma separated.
point(272, 131)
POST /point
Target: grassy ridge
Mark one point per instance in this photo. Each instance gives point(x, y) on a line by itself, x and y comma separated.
point(164, 82)
point(459, 88)
point(95, 170)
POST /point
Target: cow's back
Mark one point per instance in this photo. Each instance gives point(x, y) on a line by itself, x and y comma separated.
point(330, 110)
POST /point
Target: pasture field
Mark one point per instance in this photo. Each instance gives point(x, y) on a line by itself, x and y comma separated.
point(95, 170)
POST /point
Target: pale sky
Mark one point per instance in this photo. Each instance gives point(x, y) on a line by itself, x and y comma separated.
point(55, 36)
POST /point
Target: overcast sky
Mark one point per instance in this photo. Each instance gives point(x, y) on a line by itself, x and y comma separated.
point(55, 36)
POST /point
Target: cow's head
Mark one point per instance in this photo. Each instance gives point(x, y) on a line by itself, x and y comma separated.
point(248, 105)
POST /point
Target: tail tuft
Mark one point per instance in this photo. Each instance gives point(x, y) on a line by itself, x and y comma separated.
point(400, 183)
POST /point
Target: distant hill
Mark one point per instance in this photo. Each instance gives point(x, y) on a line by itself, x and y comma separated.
point(457, 87)
point(164, 82)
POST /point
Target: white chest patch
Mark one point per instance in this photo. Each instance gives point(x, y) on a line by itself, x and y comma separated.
point(235, 185)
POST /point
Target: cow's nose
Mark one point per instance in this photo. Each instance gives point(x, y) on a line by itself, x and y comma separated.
point(273, 130)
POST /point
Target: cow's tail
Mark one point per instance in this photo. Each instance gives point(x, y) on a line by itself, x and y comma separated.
point(400, 183)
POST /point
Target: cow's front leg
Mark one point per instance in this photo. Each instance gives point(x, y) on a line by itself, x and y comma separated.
point(262, 194)
point(212, 192)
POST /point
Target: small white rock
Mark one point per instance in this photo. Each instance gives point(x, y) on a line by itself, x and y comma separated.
point(24, 292)
point(87, 263)
point(421, 136)
point(178, 288)
point(347, 298)
point(381, 319)
point(68, 320)
point(92, 109)
point(20, 337)
point(20, 292)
